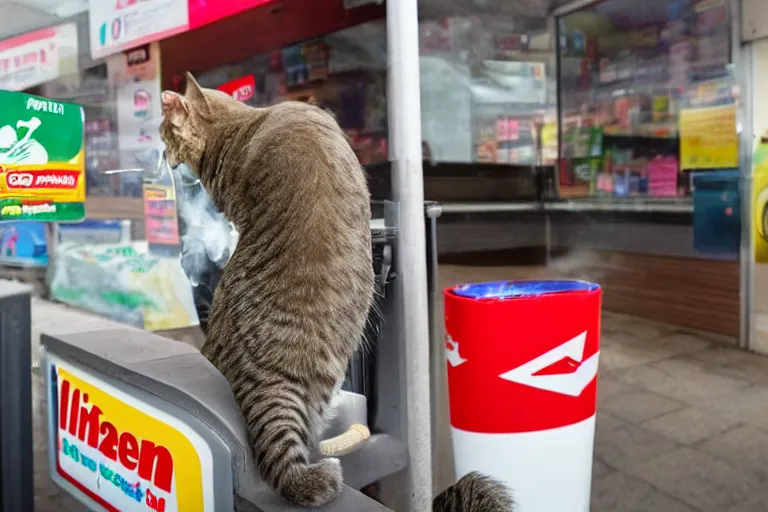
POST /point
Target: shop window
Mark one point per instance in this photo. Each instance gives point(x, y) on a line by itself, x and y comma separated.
point(646, 97)
point(488, 90)
point(345, 72)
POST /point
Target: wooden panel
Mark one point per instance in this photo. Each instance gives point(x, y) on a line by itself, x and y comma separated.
point(447, 182)
point(695, 293)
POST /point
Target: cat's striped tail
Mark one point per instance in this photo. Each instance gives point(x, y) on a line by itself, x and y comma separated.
point(280, 433)
point(475, 492)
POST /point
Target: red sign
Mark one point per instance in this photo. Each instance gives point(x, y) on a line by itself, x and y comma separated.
point(242, 89)
point(48, 178)
point(522, 364)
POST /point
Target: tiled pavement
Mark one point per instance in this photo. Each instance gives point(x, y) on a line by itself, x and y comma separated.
point(682, 419)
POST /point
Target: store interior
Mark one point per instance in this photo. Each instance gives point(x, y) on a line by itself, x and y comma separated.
point(599, 144)
point(604, 138)
point(631, 76)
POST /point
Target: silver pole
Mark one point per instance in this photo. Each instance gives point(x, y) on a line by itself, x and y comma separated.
point(408, 190)
point(742, 65)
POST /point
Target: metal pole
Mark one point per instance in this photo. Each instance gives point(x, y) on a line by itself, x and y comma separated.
point(408, 190)
point(743, 71)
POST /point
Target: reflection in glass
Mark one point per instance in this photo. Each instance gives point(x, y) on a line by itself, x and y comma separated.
point(646, 97)
point(488, 88)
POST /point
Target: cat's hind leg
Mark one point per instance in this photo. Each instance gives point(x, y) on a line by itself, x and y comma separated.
point(280, 426)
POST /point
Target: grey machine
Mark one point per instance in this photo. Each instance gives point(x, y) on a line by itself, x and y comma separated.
point(173, 379)
point(163, 375)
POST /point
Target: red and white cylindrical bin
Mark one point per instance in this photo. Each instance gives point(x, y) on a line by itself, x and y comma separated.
point(522, 362)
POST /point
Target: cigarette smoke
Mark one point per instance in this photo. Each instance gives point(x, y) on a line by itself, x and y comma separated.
point(582, 264)
point(209, 236)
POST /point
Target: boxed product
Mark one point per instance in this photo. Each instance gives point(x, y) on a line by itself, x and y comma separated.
point(663, 173)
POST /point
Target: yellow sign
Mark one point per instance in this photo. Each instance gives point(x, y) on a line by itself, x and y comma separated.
point(708, 138)
point(760, 200)
point(125, 454)
point(42, 159)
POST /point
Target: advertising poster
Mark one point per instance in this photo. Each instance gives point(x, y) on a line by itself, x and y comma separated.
point(42, 159)
point(135, 78)
point(760, 200)
point(116, 25)
point(22, 244)
point(709, 138)
point(160, 220)
point(38, 57)
point(121, 452)
point(758, 303)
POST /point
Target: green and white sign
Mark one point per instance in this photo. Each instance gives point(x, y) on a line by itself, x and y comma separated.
point(42, 159)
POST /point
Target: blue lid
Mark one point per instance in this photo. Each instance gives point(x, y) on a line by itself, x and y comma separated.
point(514, 289)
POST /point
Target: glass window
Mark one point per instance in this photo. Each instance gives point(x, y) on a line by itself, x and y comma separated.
point(90, 88)
point(488, 90)
point(646, 97)
point(344, 72)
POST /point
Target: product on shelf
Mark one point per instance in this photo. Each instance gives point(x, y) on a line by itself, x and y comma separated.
point(652, 86)
point(663, 174)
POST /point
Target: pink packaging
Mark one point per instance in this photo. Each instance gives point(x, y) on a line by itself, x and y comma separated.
point(663, 168)
point(662, 176)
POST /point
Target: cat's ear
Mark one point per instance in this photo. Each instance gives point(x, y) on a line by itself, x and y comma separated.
point(174, 108)
point(194, 93)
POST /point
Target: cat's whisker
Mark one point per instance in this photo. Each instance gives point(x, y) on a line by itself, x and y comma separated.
point(122, 171)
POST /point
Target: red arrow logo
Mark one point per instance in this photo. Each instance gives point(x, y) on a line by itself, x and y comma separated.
point(562, 370)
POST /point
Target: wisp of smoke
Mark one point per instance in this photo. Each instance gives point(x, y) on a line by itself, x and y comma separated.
point(209, 237)
point(580, 264)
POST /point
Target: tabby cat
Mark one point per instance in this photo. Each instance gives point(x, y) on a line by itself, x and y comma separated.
point(292, 302)
point(474, 492)
point(289, 311)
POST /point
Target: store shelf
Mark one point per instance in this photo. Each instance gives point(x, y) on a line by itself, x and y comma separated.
point(629, 204)
point(623, 204)
point(495, 207)
point(639, 135)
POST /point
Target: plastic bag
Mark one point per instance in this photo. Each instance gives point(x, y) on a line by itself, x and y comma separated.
point(122, 282)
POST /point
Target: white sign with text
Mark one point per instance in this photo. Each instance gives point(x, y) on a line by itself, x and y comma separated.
point(37, 57)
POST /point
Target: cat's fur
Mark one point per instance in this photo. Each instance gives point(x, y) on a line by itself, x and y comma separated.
point(291, 306)
point(475, 492)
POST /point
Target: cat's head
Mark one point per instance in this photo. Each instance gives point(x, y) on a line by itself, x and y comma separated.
point(188, 122)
